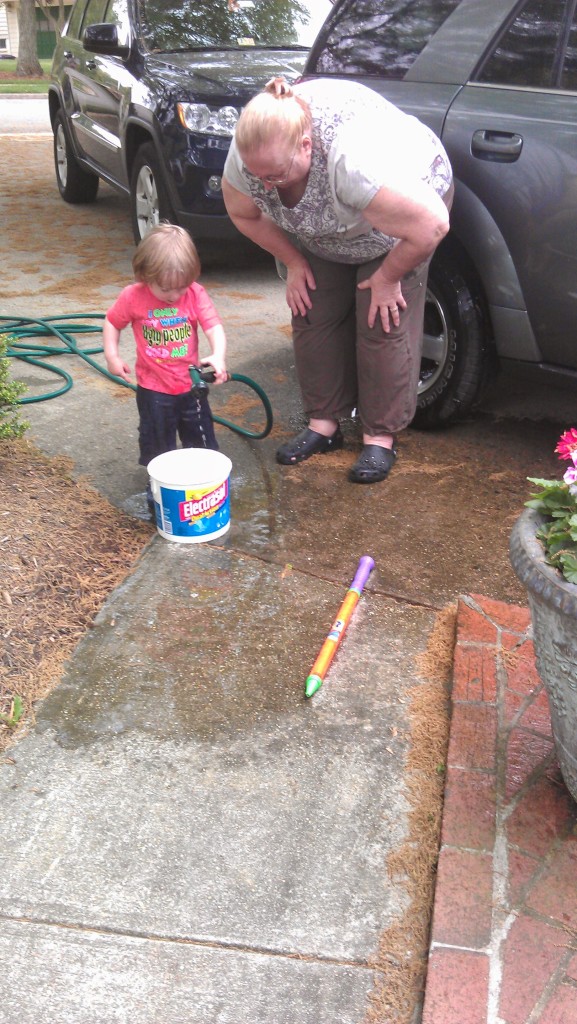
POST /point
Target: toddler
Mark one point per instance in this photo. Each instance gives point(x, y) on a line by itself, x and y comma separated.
point(165, 307)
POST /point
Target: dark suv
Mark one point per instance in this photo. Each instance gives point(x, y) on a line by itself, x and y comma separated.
point(146, 94)
point(497, 81)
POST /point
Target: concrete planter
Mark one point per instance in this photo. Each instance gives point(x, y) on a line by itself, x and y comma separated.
point(553, 606)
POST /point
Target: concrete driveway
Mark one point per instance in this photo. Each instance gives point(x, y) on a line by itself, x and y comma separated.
point(184, 838)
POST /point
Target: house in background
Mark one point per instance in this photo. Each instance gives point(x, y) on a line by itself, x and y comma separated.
point(8, 29)
point(45, 27)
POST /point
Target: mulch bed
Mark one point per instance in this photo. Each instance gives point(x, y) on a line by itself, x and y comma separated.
point(63, 549)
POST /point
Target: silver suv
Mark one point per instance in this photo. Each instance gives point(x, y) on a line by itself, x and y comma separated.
point(497, 81)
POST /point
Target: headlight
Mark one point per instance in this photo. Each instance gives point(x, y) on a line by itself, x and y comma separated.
point(197, 117)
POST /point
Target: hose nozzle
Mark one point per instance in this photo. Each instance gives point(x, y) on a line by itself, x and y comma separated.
point(201, 377)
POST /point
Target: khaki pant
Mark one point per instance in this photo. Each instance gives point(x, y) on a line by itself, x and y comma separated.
point(343, 364)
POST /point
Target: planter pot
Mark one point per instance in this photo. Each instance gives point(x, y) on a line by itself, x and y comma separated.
point(553, 606)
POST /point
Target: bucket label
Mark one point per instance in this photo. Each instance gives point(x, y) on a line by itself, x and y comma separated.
point(194, 513)
point(201, 503)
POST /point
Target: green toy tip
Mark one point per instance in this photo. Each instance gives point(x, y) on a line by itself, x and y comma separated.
point(312, 684)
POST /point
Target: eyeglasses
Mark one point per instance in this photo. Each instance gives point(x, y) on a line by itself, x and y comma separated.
point(272, 179)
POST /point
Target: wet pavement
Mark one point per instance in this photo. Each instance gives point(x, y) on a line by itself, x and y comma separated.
point(181, 828)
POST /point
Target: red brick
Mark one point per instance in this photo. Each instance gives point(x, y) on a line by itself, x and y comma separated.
point(554, 775)
point(526, 753)
point(473, 735)
point(513, 641)
point(469, 809)
point(462, 913)
point(543, 814)
point(561, 1008)
point(507, 616)
point(521, 871)
point(520, 668)
point(473, 627)
point(536, 715)
point(457, 988)
point(555, 894)
point(532, 952)
point(474, 676)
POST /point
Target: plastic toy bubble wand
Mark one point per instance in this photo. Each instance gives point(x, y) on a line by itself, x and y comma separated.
point(327, 652)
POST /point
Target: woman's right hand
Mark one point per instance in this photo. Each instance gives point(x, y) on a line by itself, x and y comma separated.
point(299, 279)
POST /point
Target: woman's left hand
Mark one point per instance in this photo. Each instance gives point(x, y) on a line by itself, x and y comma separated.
point(386, 300)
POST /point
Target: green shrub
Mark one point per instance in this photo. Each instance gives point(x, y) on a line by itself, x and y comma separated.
point(10, 390)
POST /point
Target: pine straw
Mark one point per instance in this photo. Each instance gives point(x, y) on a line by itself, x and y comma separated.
point(401, 960)
point(63, 549)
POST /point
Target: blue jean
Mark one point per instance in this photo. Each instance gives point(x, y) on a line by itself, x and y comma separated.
point(163, 418)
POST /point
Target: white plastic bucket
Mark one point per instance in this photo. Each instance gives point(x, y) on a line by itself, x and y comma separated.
point(191, 494)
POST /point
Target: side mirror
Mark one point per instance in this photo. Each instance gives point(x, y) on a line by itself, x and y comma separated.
point(104, 39)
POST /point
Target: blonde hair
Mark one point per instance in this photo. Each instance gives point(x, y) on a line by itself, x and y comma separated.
point(274, 113)
point(166, 256)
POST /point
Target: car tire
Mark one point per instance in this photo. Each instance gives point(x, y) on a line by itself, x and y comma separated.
point(74, 183)
point(149, 202)
point(457, 362)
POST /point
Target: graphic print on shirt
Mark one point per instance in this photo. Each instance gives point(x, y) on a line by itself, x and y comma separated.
point(166, 333)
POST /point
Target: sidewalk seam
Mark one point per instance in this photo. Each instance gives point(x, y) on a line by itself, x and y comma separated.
point(181, 941)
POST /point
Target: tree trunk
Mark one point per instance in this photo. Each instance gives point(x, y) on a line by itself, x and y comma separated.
point(27, 64)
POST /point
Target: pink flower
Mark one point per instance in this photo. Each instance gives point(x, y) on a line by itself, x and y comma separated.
point(570, 475)
point(567, 446)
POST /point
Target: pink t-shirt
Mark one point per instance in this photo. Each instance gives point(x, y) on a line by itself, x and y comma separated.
point(166, 336)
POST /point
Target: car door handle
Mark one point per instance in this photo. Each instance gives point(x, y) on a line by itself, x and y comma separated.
point(499, 146)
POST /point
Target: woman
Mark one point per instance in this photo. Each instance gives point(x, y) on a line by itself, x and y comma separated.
point(352, 195)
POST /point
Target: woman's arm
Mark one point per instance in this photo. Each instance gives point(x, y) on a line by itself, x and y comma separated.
point(253, 223)
point(419, 220)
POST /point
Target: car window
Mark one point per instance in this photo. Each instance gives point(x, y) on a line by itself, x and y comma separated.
point(171, 25)
point(531, 51)
point(94, 13)
point(73, 27)
point(379, 38)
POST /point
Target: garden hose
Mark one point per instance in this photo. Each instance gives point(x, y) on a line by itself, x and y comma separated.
point(64, 329)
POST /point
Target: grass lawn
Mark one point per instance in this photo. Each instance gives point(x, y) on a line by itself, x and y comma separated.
point(10, 83)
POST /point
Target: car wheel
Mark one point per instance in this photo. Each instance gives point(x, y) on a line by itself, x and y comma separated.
point(74, 184)
point(148, 198)
point(457, 361)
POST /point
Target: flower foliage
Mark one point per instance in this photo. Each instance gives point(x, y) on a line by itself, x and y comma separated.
point(557, 502)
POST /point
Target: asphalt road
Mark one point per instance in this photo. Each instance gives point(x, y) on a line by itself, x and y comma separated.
point(22, 114)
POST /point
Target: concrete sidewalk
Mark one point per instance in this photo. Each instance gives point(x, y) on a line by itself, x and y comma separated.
point(184, 838)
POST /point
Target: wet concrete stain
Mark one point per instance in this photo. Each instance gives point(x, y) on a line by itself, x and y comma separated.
point(220, 648)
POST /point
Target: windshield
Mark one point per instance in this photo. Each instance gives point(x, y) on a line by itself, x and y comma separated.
point(231, 24)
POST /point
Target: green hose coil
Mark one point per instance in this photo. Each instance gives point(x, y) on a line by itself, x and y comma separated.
point(64, 329)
